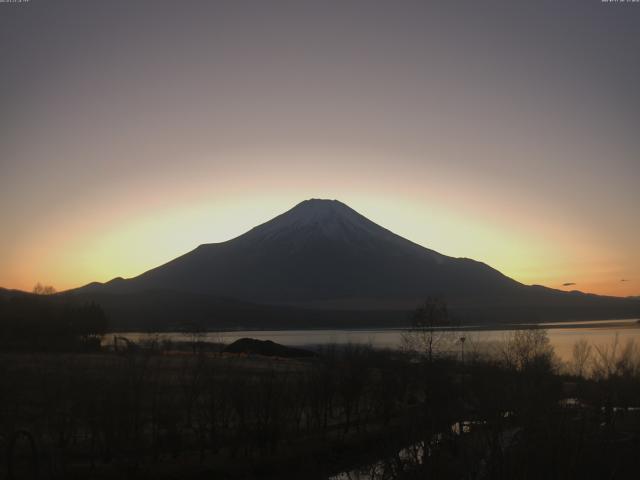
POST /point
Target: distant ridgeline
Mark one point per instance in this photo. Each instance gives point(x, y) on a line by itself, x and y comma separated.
point(49, 323)
point(319, 265)
point(323, 265)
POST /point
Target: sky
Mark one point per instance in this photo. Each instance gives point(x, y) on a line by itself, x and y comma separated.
point(503, 131)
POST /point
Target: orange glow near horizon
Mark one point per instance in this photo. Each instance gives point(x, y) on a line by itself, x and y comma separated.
point(143, 230)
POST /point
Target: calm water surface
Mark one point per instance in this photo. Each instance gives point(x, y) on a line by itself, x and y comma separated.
point(561, 335)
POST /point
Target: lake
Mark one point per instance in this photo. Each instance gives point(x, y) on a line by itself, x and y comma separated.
point(561, 335)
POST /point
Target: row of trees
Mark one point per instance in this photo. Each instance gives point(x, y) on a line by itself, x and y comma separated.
point(44, 322)
point(140, 413)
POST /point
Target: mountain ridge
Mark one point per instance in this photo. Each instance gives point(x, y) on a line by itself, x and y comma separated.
point(321, 255)
point(318, 250)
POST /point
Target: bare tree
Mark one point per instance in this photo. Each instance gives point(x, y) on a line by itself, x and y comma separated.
point(524, 349)
point(40, 289)
point(428, 327)
point(580, 357)
point(616, 360)
point(196, 332)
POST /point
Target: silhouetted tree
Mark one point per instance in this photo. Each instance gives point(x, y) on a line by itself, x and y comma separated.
point(427, 327)
point(40, 289)
point(581, 355)
point(525, 349)
point(195, 332)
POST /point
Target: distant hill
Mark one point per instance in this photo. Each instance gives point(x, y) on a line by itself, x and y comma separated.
point(321, 263)
point(266, 348)
point(30, 322)
point(172, 310)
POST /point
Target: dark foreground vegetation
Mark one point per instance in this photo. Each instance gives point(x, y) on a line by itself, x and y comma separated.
point(38, 323)
point(156, 412)
point(71, 407)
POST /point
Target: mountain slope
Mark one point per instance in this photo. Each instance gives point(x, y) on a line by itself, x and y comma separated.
point(319, 251)
point(322, 256)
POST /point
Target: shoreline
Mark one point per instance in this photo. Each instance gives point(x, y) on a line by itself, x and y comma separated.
point(579, 324)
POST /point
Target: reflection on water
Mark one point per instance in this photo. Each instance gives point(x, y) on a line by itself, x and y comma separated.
point(562, 336)
point(389, 468)
point(405, 459)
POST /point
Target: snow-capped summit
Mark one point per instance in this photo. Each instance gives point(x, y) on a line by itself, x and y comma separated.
point(329, 219)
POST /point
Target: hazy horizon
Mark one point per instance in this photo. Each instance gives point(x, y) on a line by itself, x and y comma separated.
point(504, 132)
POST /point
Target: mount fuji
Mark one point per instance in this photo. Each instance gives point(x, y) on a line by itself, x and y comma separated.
point(322, 257)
